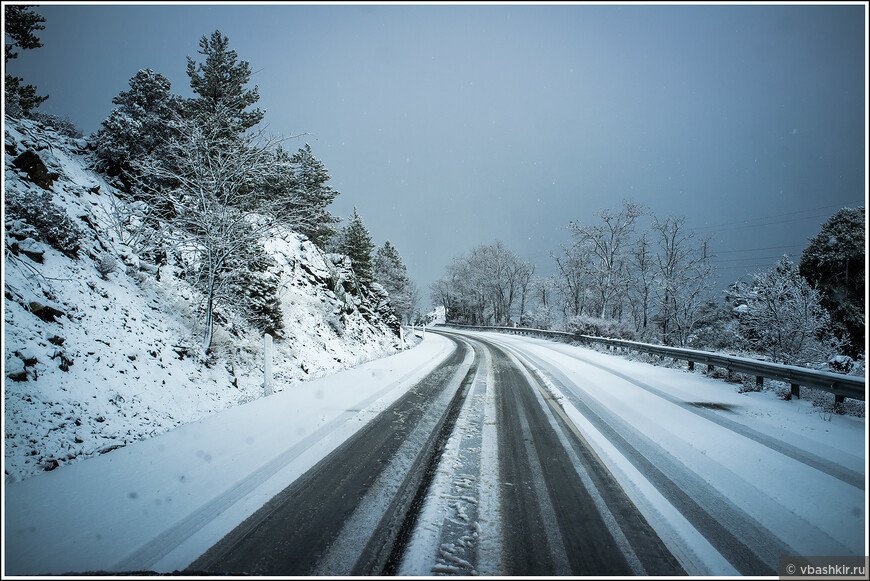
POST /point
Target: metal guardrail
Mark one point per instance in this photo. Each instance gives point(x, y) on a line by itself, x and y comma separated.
point(842, 386)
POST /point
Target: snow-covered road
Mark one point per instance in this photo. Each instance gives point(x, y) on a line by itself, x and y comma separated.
point(729, 482)
point(556, 460)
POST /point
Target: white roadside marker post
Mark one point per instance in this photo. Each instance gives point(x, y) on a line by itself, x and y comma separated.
point(424, 332)
point(402, 336)
point(267, 364)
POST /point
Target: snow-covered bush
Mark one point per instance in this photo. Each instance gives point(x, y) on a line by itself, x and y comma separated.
point(36, 208)
point(541, 317)
point(107, 265)
point(64, 125)
point(784, 318)
point(585, 325)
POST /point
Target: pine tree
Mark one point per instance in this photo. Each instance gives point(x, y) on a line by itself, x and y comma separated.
point(391, 273)
point(309, 182)
point(20, 24)
point(147, 117)
point(220, 86)
point(834, 263)
point(247, 283)
point(356, 242)
point(297, 184)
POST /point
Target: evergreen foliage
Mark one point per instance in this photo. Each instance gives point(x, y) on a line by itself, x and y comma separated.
point(245, 281)
point(297, 185)
point(309, 182)
point(356, 242)
point(834, 263)
point(390, 272)
point(220, 83)
point(20, 25)
point(146, 119)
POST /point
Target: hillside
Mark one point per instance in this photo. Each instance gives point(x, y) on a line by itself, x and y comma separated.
point(101, 347)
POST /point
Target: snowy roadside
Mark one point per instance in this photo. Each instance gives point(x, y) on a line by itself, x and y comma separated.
point(159, 503)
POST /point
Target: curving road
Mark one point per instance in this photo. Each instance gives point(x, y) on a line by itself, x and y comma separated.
point(525, 457)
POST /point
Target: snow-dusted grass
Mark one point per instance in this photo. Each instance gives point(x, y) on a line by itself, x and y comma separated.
point(122, 362)
point(158, 504)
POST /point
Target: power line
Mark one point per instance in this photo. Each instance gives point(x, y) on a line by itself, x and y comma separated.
point(753, 258)
point(781, 215)
point(759, 225)
point(758, 249)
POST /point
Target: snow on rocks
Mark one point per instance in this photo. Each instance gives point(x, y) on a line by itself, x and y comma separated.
point(100, 345)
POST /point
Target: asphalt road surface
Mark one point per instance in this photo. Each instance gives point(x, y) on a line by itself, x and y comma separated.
point(551, 505)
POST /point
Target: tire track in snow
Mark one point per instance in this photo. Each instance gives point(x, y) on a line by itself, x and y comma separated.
point(296, 530)
point(152, 555)
point(458, 532)
point(554, 523)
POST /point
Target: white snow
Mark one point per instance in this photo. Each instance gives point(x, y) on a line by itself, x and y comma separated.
point(463, 495)
point(159, 503)
point(122, 363)
point(820, 515)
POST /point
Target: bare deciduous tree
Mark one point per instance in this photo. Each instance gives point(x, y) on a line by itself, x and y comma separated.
point(213, 211)
point(574, 280)
point(482, 286)
point(607, 241)
point(683, 275)
point(641, 275)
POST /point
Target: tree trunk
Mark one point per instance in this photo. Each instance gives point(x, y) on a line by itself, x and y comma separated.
point(209, 315)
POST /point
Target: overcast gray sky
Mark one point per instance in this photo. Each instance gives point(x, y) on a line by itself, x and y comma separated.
point(450, 126)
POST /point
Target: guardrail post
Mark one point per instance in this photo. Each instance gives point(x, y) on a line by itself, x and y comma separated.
point(795, 391)
point(691, 366)
point(838, 399)
point(759, 381)
point(267, 364)
point(709, 369)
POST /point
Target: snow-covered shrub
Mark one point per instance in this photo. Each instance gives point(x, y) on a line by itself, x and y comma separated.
point(841, 364)
point(37, 209)
point(784, 317)
point(585, 325)
point(541, 317)
point(107, 265)
point(64, 126)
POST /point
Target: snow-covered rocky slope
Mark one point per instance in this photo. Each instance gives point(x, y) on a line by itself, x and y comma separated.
point(101, 348)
